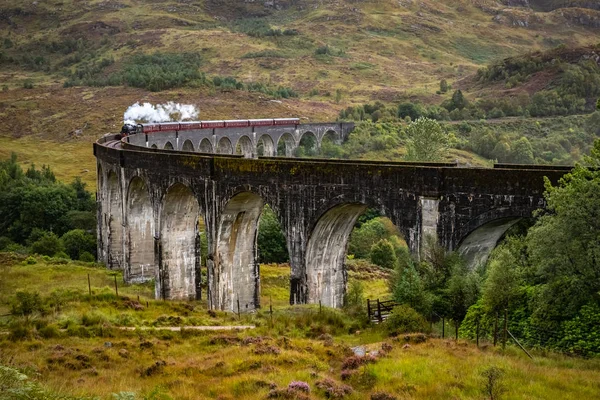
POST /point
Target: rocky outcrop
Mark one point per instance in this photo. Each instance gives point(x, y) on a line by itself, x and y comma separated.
point(582, 17)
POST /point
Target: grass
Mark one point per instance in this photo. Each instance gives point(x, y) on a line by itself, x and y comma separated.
point(67, 160)
point(300, 344)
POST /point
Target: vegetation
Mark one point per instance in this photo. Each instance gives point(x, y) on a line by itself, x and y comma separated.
point(69, 335)
point(43, 216)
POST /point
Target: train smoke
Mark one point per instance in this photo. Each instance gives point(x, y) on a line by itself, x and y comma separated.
point(170, 111)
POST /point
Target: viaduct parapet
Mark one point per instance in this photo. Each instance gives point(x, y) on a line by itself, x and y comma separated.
point(152, 203)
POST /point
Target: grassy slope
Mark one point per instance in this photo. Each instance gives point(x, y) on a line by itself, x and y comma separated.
point(200, 365)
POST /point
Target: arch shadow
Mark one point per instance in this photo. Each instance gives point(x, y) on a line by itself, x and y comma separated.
point(224, 146)
point(187, 146)
point(205, 146)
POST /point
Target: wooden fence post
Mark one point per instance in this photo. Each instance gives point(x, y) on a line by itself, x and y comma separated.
point(379, 311)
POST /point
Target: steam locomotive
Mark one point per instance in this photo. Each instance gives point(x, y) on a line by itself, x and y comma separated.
point(130, 129)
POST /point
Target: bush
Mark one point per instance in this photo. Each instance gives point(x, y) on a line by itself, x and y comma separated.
point(87, 257)
point(404, 319)
point(20, 331)
point(77, 241)
point(49, 332)
point(5, 242)
point(582, 334)
point(26, 303)
point(47, 245)
point(383, 254)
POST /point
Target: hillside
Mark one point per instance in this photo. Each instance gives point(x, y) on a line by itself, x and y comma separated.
point(72, 346)
point(63, 64)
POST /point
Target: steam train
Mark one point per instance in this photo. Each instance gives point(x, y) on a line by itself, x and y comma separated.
point(130, 129)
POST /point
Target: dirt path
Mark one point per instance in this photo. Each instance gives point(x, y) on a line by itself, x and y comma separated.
point(177, 328)
point(197, 328)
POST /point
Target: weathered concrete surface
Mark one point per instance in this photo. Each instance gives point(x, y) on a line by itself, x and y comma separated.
point(139, 249)
point(477, 246)
point(237, 275)
point(180, 244)
point(316, 201)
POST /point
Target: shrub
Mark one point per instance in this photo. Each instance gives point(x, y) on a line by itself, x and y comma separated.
point(48, 244)
point(582, 334)
point(492, 385)
point(49, 332)
point(404, 319)
point(383, 254)
point(5, 242)
point(333, 389)
point(87, 257)
point(26, 303)
point(20, 331)
point(77, 241)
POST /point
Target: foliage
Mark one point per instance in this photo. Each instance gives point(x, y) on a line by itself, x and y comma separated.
point(581, 335)
point(426, 140)
point(368, 234)
point(36, 208)
point(407, 288)
point(77, 241)
point(155, 72)
point(26, 303)
point(503, 282)
point(257, 27)
point(383, 254)
point(492, 386)
point(563, 245)
point(405, 319)
point(354, 299)
point(272, 247)
point(463, 291)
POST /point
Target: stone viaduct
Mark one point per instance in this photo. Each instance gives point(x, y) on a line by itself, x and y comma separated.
point(156, 192)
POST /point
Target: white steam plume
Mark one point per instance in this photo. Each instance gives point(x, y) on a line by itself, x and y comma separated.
point(171, 111)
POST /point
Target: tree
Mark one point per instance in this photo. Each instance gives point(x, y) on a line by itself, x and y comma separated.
point(443, 86)
point(272, 247)
point(369, 233)
point(77, 241)
point(411, 110)
point(383, 254)
point(564, 244)
point(463, 291)
point(407, 288)
point(458, 102)
point(522, 152)
point(503, 281)
point(426, 140)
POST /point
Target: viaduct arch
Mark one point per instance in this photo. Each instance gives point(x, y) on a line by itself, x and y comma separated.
point(150, 201)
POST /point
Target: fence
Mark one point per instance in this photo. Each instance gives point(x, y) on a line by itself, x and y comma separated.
point(378, 311)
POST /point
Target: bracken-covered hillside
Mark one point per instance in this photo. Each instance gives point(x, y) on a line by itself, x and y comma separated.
point(63, 63)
